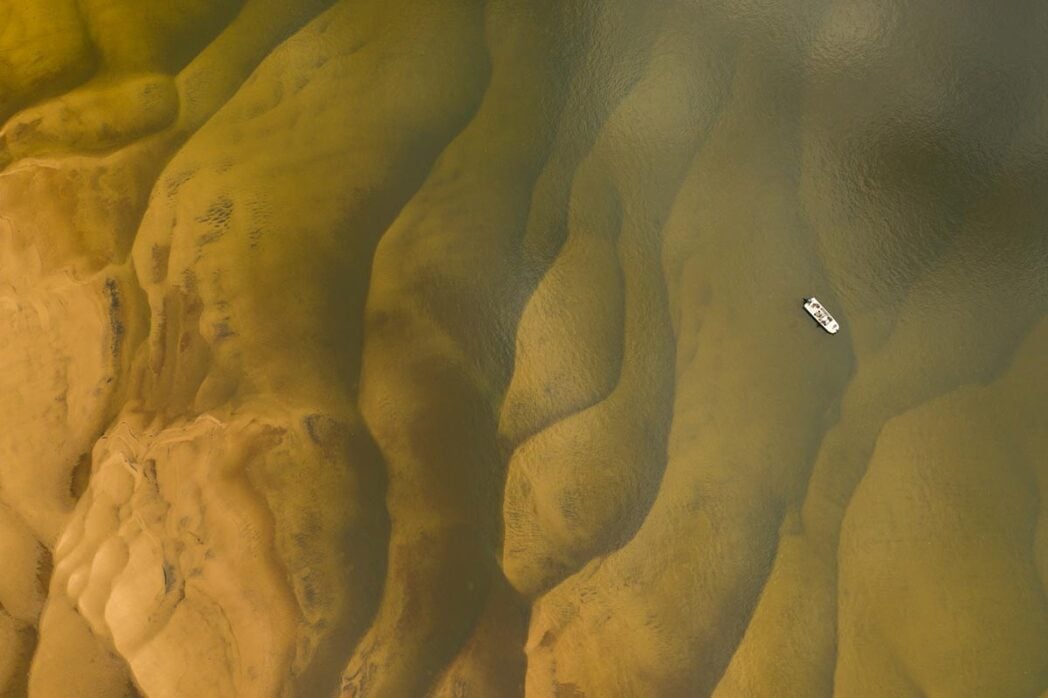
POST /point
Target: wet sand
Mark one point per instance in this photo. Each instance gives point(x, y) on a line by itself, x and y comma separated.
point(386, 349)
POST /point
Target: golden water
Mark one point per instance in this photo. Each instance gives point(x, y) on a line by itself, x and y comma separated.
point(457, 348)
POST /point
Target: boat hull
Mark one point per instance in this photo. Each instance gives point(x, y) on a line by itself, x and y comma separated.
point(821, 315)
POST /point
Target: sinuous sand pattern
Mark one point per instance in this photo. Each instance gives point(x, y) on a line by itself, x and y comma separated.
point(379, 349)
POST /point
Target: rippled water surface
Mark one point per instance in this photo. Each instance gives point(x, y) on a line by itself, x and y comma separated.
point(390, 348)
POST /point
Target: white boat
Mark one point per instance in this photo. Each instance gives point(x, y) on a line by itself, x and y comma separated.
point(821, 315)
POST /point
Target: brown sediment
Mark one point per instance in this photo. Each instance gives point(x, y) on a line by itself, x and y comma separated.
point(455, 349)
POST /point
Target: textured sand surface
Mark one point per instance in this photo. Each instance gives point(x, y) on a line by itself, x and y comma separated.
point(385, 348)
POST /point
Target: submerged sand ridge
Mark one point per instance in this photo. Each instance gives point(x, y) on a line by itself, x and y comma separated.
point(388, 349)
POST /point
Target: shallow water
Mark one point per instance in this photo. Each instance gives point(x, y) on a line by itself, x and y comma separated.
point(392, 348)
